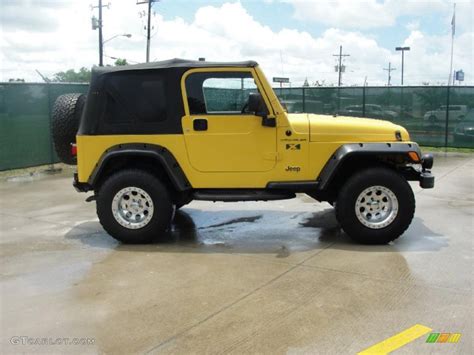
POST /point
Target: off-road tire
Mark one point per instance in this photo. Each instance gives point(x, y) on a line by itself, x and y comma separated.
point(355, 185)
point(67, 112)
point(163, 209)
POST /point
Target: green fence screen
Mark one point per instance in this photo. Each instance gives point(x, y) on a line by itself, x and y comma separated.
point(25, 138)
point(434, 115)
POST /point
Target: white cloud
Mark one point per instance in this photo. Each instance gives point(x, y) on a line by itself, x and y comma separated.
point(344, 13)
point(412, 26)
point(223, 33)
point(364, 14)
point(429, 57)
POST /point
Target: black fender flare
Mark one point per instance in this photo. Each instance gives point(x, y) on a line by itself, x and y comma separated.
point(346, 151)
point(162, 155)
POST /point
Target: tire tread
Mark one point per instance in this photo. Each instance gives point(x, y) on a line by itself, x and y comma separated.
point(160, 222)
point(345, 205)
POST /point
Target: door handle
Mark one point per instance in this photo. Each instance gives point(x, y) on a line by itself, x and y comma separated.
point(200, 124)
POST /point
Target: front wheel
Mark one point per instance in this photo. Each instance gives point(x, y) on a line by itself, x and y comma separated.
point(134, 207)
point(375, 206)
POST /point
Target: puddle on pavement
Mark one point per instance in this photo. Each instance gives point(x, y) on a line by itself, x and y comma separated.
point(280, 233)
point(234, 221)
point(323, 219)
point(264, 231)
point(275, 232)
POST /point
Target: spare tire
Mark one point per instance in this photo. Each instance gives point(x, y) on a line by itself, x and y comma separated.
point(67, 113)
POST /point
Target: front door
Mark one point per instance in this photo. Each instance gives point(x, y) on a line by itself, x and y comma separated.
point(220, 134)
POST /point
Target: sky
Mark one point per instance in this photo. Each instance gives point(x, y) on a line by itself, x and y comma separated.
point(289, 38)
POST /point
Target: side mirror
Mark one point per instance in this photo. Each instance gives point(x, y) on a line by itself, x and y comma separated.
point(257, 105)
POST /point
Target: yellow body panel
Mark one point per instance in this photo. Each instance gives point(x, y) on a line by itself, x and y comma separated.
point(91, 148)
point(326, 128)
point(238, 152)
point(232, 143)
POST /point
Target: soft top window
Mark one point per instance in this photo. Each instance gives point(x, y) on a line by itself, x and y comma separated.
point(135, 97)
point(219, 92)
point(134, 102)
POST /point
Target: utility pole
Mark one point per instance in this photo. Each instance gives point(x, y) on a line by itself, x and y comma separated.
point(148, 29)
point(402, 49)
point(101, 51)
point(389, 69)
point(97, 24)
point(148, 26)
point(339, 67)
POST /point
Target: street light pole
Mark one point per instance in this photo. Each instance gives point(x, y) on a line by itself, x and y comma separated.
point(128, 35)
point(402, 49)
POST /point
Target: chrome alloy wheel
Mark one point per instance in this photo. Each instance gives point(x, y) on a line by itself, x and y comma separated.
point(132, 207)
point(376, 207)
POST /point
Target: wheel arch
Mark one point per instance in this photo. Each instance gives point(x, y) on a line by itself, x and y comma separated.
point(154, 158)
point(350, 158)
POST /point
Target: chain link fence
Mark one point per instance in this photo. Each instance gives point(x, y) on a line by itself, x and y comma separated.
point(434, 115)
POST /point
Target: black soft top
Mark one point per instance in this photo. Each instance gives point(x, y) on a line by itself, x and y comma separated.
point(140, 99)
point(174, 63)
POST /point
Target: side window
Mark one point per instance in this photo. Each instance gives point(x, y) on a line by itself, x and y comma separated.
point(219, 93)
point(135, 98)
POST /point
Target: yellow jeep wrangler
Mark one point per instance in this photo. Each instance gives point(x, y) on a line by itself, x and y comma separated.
point(153, 137)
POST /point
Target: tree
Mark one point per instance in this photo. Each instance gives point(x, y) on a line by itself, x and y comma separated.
point(120, 62)
point(12, 80)
point(71, 76)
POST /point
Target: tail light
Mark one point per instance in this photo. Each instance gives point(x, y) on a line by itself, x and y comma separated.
point(73, 149)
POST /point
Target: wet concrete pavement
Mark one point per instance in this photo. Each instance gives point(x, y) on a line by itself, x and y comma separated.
point(275, 277)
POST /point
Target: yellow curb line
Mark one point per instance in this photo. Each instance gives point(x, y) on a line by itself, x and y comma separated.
point(398, 340)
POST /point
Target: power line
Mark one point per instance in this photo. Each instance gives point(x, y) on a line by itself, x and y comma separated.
point(389, 70)
point(339, 67)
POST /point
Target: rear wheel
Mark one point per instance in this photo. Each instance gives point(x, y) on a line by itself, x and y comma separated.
point(134, 207)
point(375, 206)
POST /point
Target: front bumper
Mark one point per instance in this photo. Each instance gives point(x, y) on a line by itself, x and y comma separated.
point(80, 186)
point(422, 175)
point(427, 180)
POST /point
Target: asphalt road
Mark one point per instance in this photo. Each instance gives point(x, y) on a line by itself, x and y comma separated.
point(259, 277)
